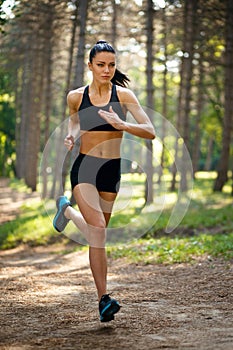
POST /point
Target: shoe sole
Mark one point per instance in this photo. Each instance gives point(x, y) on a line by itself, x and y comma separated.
point(107, 319)
point(56, 222)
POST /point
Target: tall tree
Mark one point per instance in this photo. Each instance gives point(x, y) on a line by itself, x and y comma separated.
point(80, 59)
point(199, 110)
point(48, 52)
point(164, 91)
point(228, 112)
point(114, 23)
point(62, 162)
point(186, 73)
point(150, 95)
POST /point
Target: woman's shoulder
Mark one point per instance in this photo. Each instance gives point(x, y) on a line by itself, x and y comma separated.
point(75, 96)
point(125, 95)
point(76, 92)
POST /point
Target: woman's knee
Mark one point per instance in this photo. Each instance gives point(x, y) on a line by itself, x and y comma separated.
point(97, 236)
point(96, 220)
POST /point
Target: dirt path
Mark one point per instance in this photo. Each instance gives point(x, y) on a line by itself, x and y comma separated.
point(48, 301)
point(11, 201)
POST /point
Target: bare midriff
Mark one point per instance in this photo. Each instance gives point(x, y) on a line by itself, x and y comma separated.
point(101, 144)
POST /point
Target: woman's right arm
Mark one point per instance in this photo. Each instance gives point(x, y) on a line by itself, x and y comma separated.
point(73, 101)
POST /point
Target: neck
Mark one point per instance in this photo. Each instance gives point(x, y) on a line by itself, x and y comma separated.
point(100, 89)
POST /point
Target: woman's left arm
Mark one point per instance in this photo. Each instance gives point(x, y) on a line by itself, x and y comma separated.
point(144, 128)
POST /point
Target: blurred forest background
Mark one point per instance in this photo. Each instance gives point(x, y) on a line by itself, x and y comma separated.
point(178, 55)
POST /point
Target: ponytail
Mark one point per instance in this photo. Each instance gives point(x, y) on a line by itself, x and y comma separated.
point(102, 46)
point(120, 79)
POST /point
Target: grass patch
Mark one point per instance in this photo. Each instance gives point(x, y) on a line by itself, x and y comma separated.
point(177, 249)
point(206, 229)
point(19, 185)
point(32, 227)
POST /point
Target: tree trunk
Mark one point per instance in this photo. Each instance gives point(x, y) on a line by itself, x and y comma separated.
point(33, 139)
point(67, 160)
point(114, 23)
point(22, 126)
point(63, 161)
point(150, 99)
point(80, 59)
point(197, 131)
point(48, 97)
point(190, 24)
point(227, 119)
point(209, 154)
point(164, 104)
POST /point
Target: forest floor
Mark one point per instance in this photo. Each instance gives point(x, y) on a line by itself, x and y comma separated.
point(48, 300)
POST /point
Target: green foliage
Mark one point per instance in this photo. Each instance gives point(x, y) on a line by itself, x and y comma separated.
point(176, 249)
point(19, 186)
point(7, 155)
point(7, 126)
point(32, 227)
point(205, 231)
point(22, 63)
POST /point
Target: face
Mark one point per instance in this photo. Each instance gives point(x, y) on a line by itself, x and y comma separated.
point(103, 66)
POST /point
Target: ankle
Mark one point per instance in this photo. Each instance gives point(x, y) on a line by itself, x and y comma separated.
point(67, 212)
point(101, 295)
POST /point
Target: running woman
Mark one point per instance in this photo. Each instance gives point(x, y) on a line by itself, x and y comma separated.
point(98, 116)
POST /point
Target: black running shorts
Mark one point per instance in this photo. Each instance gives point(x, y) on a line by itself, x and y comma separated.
point(103, 173)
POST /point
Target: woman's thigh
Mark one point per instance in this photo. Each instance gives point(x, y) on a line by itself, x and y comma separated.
point(96, 207)
point(88, 201)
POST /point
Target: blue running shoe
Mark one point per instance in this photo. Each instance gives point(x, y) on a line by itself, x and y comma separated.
point(107, 308)
point(60, 221)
